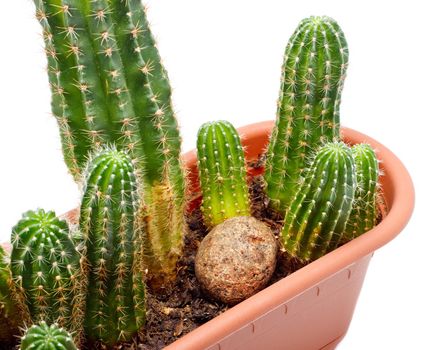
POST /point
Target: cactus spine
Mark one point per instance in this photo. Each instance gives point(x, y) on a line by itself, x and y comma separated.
point(9, 316)
point(221, 164)
point(45, 269)
point(44, 337)
point(312, 79)
point(109, 87)
point(364, 212)
point(115, 303)
point(315, 221)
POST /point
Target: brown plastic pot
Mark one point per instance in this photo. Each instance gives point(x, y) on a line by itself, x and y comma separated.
point(312, 308)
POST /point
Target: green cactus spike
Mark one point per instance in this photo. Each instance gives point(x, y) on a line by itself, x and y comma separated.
point(315, 221)
point(109, 87)
point(312, 79)
point(364, 212)
point(45, 268)
point(115, 303)
point(44, 337)
point(10, 318)
point(221, 164)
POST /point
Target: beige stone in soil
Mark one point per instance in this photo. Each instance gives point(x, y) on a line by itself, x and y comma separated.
point(236, 259)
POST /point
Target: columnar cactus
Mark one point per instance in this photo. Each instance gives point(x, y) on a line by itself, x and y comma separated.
point(315, 221)
point(46, 269)
point(222, 170)
point(9, 316)
point(45, 337)
point(312, 79)
point(115, 302)
point(109, 87)
point(364, 212)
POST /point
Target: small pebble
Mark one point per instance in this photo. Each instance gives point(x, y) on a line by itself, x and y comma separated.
point(236, 259)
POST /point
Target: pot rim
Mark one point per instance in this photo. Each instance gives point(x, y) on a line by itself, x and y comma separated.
point(398, 190)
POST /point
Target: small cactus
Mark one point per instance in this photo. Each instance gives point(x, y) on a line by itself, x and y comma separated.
point(109, 87)
point(312, 79)
point(44, 337)
point(115, 302)
point(364, 212)
point(45, 269)
point(315, 221)
point(9, 316)
point(221, 164)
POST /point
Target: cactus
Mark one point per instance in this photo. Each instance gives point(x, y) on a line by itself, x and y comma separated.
point(9, 316)
point(109, 87)
point(364, 212)
point(115, 302)
point(221, 164)
point(44, 337)
point(312, 79)
point(45, 269)
point(315, 221)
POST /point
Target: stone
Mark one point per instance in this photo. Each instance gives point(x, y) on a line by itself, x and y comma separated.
point(236, 259)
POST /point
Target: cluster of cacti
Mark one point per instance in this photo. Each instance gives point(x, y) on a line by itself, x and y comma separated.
point(115, 301)
point(312, 79)
point(109, 87)
point(41, 336)
point(316, 218)
point(45, 268)
point(120, 138)
point(317, 196)
point(222, 173)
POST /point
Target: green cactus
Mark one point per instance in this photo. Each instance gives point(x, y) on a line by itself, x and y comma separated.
point(9, 316)
point(364, 212)
point(115, 302)
point(315, 221)
point(221, 165)
point(45, 268)
point(44, 337)
point(109, 87)
point(312, 79)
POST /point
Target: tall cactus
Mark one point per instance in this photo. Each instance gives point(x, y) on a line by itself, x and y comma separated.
point(109, 87)
point(46, 269)
point(115, 303)
point(312, 79)
point(221, 164)
point(9, 315)
point(364, 212)
point(315, 221)
point(45, 337)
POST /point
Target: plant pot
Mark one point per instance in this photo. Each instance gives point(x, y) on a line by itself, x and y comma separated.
point(312, 308)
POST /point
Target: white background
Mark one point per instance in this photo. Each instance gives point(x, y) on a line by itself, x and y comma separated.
point(224, 61)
